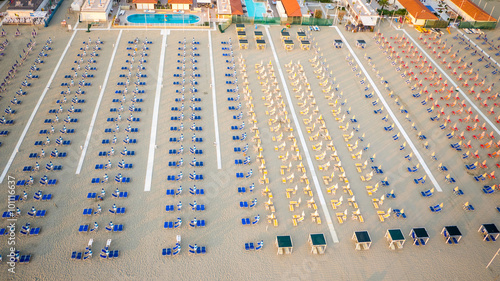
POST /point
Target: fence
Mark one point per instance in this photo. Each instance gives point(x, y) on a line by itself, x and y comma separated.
point(436, 24)
point(224, 25)
point(277, 20)
point(479, 25)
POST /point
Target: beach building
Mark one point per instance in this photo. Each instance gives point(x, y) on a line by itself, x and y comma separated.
point(95, 10)
point(471, 12)
point(227, 8)
point(25, 8)
point(145, 4)
point(360, 14)
point(180, 4)
point(289, 11)
point(418, 13)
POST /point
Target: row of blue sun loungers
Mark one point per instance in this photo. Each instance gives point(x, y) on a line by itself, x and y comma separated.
point(250, 246)
point(179, 116)
point(239, 138)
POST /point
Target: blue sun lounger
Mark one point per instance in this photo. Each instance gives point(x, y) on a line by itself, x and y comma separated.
point(197, 191)
point(121, 194)
point(249, 246)
point(436, 208)
point(116, 228)
point(40, 213)
point(76, 255)
point(28, 169)
point(84, 228)
point(488, 189)
point(24, 259)
point(126, 166)
point(7, 215)
point(88, 212)
point(199, 208)
point(122, 180)
point(245, 221)
point(119, 211)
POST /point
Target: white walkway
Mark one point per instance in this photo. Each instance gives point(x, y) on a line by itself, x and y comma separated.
point(393, 116)
point(96, 110)
point(322, 200)
point(156, 109)
point(214, 101)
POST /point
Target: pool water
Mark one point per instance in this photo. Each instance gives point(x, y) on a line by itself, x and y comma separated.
point(163, 18)
point(255, 9)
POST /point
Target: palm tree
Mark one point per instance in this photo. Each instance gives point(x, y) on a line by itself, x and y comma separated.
point(382, 4)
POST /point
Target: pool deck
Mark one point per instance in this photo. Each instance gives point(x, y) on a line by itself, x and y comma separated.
point(124, 23)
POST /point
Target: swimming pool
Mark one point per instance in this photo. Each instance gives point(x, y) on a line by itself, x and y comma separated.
point(255, 9)
point(163, 18)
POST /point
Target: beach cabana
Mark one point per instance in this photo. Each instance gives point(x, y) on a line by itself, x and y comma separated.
point(337, 43)
point(318, 243)
point(420, 236)
point(284, 244)
point(288, 44)
point(395, 238)
point(240, 27)
point(243, 44)
point(489, 231)
point(452, 234)
point(242, 35)
point(285, 35)
point(258, 34)
point(362, 239)
point(305, 45)
point(301, 35)
point(361, 44)
point(261, 44)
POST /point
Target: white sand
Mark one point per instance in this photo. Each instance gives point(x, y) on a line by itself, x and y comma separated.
point(143, 238)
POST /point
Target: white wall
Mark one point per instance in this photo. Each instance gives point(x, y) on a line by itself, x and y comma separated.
point(180, 6)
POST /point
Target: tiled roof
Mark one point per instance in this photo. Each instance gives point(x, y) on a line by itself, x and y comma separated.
point(473, 10)
point(417, 10)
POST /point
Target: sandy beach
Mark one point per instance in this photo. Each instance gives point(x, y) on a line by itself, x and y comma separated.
point(141, 242)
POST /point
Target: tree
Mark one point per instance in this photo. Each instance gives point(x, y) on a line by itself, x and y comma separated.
point(383, 4)
point(318, 14)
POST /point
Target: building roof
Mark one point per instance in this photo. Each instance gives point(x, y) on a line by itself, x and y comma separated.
point(144, 1)
point(418, 10)
point(25, 5)
point(473, 10)
point(292, 8)
point(180, 2)
point(236, 8)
